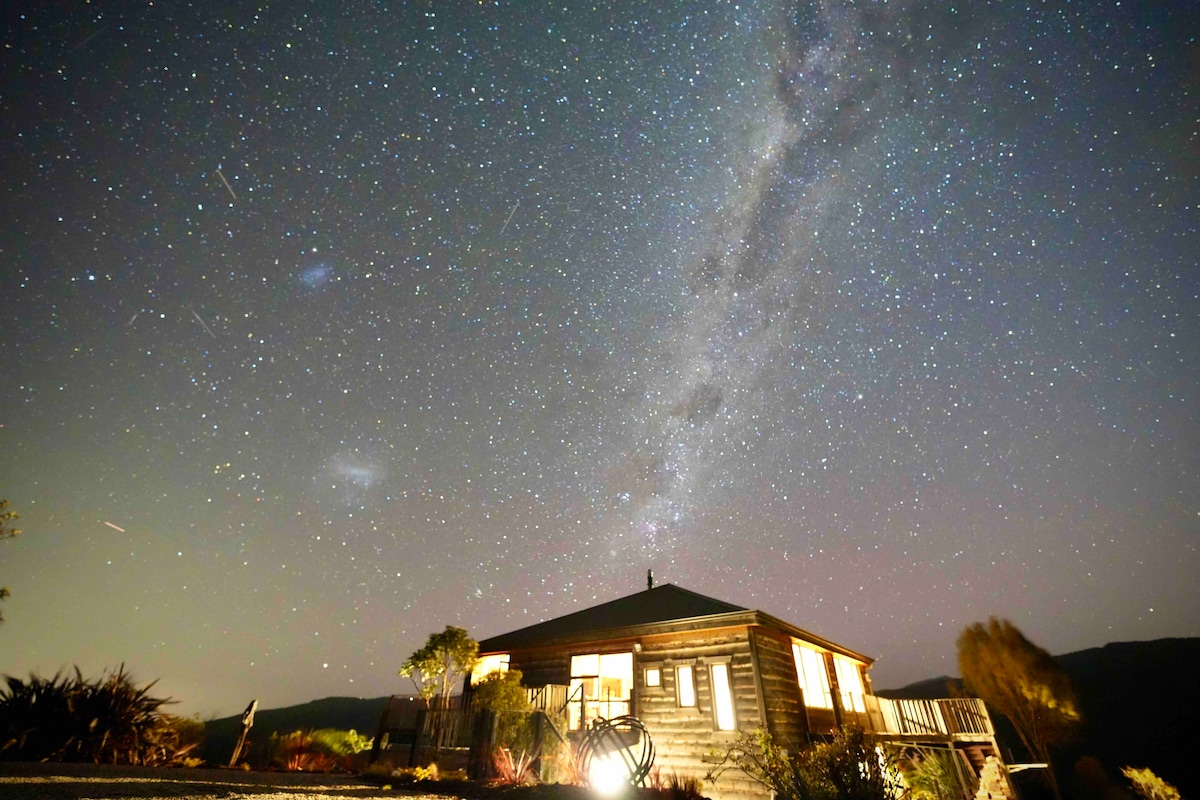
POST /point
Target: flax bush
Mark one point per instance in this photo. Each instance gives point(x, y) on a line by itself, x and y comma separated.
point(108, 720)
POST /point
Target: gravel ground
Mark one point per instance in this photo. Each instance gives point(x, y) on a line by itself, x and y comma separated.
point(22, 781)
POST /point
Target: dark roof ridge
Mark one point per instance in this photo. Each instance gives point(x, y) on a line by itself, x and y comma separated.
point(651, 611)
point(699, 596)
point(663, 603)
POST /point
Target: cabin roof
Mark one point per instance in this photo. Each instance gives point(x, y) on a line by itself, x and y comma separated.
point(665, 603)
point(662, 609)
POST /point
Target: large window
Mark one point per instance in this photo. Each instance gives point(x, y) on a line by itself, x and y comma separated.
point(722, 686)
point(849, 683)
point(600, 687)
point(486, 665)
point(814, 679)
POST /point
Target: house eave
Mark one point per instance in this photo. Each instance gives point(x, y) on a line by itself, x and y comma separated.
point(507, 643)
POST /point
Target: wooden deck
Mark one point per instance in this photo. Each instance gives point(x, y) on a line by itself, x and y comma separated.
point(956, 719)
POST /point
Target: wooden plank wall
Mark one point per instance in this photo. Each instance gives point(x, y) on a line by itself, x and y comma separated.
point(687, 741)
point(542, 667)
point(786, 721)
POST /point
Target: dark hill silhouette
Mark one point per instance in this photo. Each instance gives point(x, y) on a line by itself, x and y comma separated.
point(346, 713)
point(1140, 702)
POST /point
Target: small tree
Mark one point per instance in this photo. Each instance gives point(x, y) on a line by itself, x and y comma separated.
point(7, 531)
point(444, 660)
point(1021, 681)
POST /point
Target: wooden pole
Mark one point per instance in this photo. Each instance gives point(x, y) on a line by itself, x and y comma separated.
point(247, 724)
point(380, 732)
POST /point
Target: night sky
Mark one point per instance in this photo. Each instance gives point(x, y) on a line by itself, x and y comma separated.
point(328, 325)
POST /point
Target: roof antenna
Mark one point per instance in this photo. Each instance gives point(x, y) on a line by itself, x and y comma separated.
point(649, 579)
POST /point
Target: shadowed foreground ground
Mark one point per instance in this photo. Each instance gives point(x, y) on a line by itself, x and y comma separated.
point(25, 781)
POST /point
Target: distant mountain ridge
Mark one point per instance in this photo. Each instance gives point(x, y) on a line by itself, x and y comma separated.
point(1141, 708)
point(346, 713)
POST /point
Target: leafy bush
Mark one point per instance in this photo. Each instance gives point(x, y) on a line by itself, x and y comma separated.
point(930, 775)
point(503, 694)
point(845, 768)
point(322, 750)
point(408, 775)
point(1149, 785)
point(415, 774)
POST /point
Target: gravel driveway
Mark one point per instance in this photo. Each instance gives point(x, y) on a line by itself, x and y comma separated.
point(22, 781)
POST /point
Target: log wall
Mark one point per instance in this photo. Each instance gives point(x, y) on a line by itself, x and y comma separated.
point(687, 741)
point(787, 720)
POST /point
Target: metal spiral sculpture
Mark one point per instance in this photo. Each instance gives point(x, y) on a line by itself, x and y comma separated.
point(623, 738)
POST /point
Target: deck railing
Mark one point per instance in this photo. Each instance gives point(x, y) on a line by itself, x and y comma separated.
point(579, 708)
point(956, 717)
point(550, 698)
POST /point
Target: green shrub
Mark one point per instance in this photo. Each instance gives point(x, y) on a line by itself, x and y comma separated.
point(846, 767)
point(322, 750)
point(503, 694)
point(415, 774)
point(930, 775)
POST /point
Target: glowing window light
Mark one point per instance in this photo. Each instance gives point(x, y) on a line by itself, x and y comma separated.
point(486, 665)
point(813, 678)
point(601, 686)
point(849, 683)
point(723, 698)
point(685, 687)
point(653, 676)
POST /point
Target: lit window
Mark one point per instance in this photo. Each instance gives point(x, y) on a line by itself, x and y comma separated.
point(685, 687)
point(813, 678)
point(653, 676)
point(849, 683)
point(723, 697)
point(486, 665)
point(601, 684)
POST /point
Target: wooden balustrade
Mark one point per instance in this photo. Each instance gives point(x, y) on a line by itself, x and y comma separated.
point(955, 717)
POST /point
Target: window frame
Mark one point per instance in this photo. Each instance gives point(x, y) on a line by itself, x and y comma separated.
point(726, 666)
point(596, 682)
point(852, 699)
point(825, 687)
point(691, 682)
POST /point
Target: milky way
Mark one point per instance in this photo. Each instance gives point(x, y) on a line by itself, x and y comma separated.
point(332, 327)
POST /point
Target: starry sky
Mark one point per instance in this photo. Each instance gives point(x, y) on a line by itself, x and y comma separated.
point(331, 324)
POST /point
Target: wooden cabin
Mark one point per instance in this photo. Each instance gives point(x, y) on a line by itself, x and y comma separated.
point(696, 671)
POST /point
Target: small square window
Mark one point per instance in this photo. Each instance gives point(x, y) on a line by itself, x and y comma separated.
point(653, 676)
point(685, 687)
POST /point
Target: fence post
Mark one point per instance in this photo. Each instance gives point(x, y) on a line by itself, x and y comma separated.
point(483, 740)
point(539, 742)
point(380, 732)
point(418, 735)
